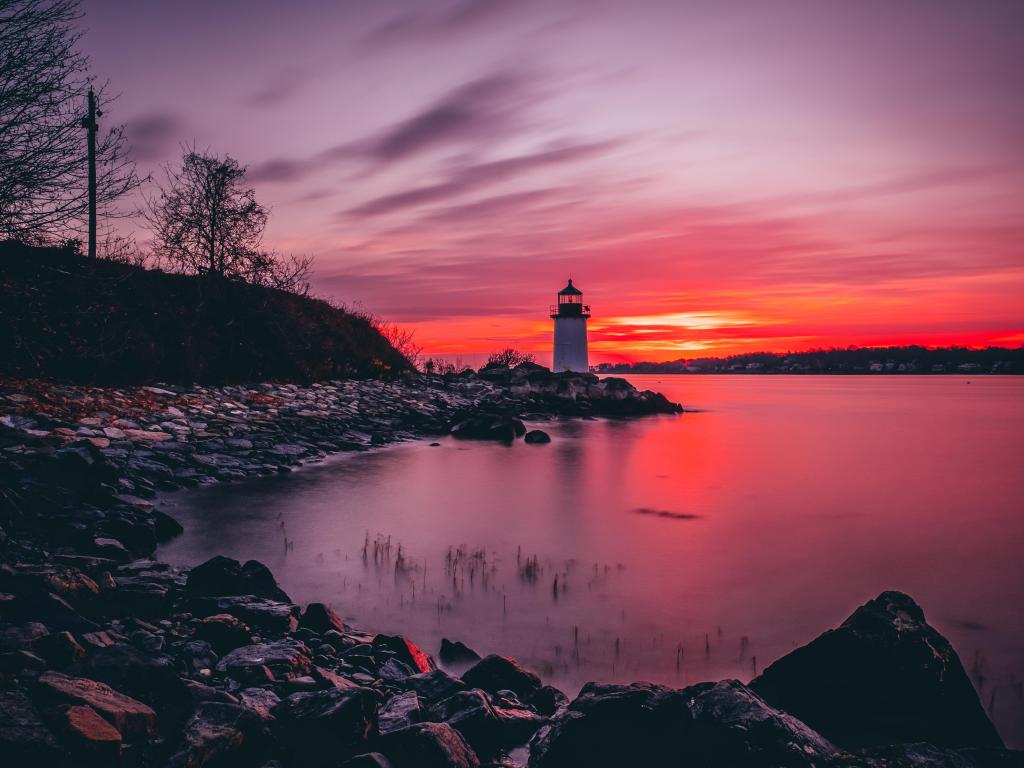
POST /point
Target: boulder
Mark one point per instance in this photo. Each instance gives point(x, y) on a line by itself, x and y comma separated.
point(320, 618)
point(223, 632)
point(89, 735)
point(882, 677)
point(471, 714)
point(323, 727)
point(394, 671)
point(152, 680)
point(223, 576)
point(219, 734)
point(400, 711)
point(454, 652)
point(548, 700)
point(260, 701)
point(428, 745)
point(488, 427)
point(268, 615)
point(537, 437)
point(434, 685)
point(614, 725)
point(24, 738)
point(496, 673)
point(731, 725)
point(132, 718)
point(286, 659)
point(405, 651)
point(59, 649)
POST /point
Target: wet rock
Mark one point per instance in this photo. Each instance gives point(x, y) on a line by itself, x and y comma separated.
point(286, 659)
point(400, 711)
point(22, 635)
point(200, 656)
point(471, 714)
point(132, 718)
point(219, 734)
point(59, 649)
point(495, 673)
point(89, 735)
point(488, 427)
point(884, 676)
point(223, 632)
point(166, 527)
point(614, 725)
point(454, 652)
point(548, 700)
point(24, 737)
point(266, 615)
point(394, 670)
point(428, 745)
point(224, 576)
point(731, 725)
point(261, 701)
point(112, 549)
point(434, 685)
point(152, 680)
point(324, 727)
point(405, 651)
point(320, 618)
point(537, 437)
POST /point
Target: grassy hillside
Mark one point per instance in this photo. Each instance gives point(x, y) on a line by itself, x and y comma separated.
point(67, 318)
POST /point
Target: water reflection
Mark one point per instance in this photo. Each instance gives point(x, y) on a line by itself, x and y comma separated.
point(675, 549)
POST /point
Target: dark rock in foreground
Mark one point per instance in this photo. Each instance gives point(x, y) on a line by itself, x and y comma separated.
point(883, 677)
point(537, 437)
point(223, 576)
point(454, 652)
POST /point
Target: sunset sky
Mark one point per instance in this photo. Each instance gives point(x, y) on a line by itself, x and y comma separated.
point(718, 177)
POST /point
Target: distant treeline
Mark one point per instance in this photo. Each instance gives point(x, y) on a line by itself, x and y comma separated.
point(851, 360)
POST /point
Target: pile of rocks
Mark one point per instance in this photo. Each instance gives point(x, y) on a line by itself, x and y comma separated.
point(110, 658)
point(141, 664)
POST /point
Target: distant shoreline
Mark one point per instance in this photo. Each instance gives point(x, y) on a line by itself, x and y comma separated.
point(903, 374)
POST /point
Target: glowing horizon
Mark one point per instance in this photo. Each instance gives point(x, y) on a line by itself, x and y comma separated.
point(718, 178)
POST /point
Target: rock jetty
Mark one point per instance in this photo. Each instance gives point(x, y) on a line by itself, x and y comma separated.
point(111, 658)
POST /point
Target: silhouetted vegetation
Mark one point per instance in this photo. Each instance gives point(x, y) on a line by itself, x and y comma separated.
point(44, 82)
point(509, 357)
point(205, 221)
point(72, 319)
point(850, 360)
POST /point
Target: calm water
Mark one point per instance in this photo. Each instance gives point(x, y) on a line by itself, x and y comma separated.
point(685, 548)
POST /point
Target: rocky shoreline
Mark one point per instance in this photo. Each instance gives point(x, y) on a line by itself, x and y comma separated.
point(108, 657)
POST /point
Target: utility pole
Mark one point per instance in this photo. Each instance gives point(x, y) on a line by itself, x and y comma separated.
point(89, 123)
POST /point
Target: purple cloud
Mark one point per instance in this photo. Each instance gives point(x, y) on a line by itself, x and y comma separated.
point(153, 136)
point(479, 175)
point(479, 110)
point(278, 90)
point(476, 110)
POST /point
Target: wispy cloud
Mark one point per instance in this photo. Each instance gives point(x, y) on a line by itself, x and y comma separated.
point(474, 113)
point(477, 176)
point(153, 136)
point(278, 89)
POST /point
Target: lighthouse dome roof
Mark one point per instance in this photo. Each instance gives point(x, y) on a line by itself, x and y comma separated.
point(570, 290)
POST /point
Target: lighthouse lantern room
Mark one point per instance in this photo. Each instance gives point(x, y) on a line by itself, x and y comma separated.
point(570, 315)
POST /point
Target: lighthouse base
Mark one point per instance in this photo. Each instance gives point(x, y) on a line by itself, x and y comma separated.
point(570, 345)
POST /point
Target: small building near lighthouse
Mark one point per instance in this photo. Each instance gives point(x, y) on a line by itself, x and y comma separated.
point(570, 315)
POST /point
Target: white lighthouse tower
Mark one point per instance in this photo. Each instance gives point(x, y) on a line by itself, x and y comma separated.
point(570, 316)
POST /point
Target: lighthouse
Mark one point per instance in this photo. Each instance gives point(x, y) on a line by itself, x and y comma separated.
point(570, 315)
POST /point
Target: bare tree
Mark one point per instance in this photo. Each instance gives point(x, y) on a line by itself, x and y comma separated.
point(206, 221)
point(510, 357)
point(402, 339)
point(44, 82)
